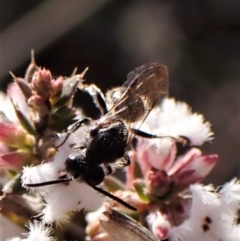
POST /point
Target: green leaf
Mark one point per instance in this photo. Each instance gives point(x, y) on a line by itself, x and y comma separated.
point(24, 121)
point(140, 188)
point(113, 184)
point(69, 87)
point(61, 118)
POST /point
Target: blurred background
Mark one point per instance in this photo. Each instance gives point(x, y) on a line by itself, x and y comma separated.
point(199, 41)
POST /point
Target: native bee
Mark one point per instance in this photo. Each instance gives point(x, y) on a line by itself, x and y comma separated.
point(109, 138)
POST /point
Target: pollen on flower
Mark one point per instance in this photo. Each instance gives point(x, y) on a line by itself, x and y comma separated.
point(206, 224)
point(208, 220)
point(205, 227)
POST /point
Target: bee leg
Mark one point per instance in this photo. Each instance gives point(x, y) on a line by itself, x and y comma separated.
point(74, 127)
point(97, 96)
point(98, 189)
point(79, 123)
point(109, 169)
point(123, 162)
point(144, 134)
point(183, 143)
point(126, 160)
point(151, 136)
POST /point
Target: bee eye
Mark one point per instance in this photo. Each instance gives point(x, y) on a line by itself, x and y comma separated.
point(94, 132)
point(114, 131)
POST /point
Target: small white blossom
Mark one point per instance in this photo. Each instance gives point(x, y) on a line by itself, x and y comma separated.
point(176, 119)
point(205, 195)
point(64, 199)
point(181, 232)
point(230, 192)
point(230, 197)
point(61, 199)
point(208, 220)
point(37, 232)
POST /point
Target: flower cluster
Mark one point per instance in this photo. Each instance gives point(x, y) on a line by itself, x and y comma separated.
point(35, 114)
point(162, 182)
point(35, 109)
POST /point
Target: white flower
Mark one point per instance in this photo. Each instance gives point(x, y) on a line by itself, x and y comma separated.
point(205, 195)
point(37, 232)
point(230, 198)
point(176, 119)
point(181, 232)
point(208, 220)
point(61, 199)
point(230, 192)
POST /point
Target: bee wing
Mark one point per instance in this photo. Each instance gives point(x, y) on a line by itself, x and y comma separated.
point(145, 87)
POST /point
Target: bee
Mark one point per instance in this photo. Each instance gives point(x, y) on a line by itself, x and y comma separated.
point(109, 138)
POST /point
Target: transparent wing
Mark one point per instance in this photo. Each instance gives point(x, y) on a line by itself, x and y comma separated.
point(144, 88)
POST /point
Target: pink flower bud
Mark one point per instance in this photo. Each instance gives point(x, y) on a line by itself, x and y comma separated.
point(157, 153)
point(13, 159)
point(57, 85)
point(185, 160)
point(11, 135)
point(159, 183)
point(37, 104)
point(41, 83)
point(160, 224)
point(192, 167)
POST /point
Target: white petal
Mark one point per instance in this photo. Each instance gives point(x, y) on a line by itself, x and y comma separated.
point(181, 232)
point(176, 119)
point(230, 192)
point(160, 152)
point(64, 199)
point(61, 199)
point(38, 232)
point(208, 219)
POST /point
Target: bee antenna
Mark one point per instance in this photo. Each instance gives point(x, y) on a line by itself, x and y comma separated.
point(112, 196)
point(67, 179)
